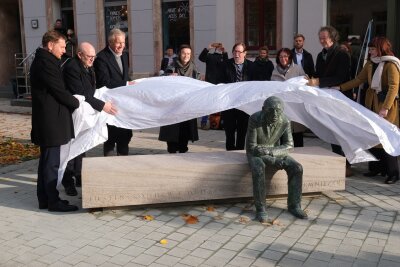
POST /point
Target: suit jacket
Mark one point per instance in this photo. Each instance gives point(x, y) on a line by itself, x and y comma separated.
point(81, 81)
point(107, 70)
point(335, 69)
point(52, 104)
point(278, 140)
point(229, 74)
point(214, 65)
point(307, 63)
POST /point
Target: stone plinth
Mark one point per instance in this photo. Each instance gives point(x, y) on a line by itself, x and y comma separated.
point(168, 178)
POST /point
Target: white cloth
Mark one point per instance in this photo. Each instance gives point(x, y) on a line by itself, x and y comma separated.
point(159, 101)
point(376, 82)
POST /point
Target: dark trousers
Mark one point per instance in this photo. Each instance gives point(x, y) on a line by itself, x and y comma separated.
point(49, 163)
point(338, 150)
point(387, 164)
point(235, 121)
point(298, 140)
point(73, 169)
point(119, 136)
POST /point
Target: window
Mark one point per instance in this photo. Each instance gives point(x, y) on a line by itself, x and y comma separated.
point(260, 23)
point(116, 16)
point(175, 21)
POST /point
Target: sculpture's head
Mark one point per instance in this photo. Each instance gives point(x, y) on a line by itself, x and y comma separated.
point(273, 109)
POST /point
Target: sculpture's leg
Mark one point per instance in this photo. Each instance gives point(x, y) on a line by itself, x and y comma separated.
point(258, 173)
point(294, 171)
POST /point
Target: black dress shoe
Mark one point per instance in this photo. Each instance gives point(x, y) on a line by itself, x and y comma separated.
point(392, 179)
point(45, 205)
point(71, 190)
point(62, 207)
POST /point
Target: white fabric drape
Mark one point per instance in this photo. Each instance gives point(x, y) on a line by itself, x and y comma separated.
point(159, 101)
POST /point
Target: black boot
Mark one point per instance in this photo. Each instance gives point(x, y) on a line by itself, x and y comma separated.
point(261, 215)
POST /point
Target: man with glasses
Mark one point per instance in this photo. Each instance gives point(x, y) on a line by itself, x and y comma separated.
point(237, 69)
point(79, 78)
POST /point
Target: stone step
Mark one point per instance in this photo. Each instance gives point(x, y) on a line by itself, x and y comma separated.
point(169, 178)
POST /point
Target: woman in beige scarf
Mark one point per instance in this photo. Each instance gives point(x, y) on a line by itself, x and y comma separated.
point(382, 74)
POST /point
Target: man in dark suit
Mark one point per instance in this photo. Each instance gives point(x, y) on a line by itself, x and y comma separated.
point(111, 67)
point(302, 57)
point(79, 78)
point(52, 125)
point(235, 121)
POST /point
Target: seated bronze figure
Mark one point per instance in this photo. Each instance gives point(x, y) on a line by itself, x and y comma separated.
point(268, 141)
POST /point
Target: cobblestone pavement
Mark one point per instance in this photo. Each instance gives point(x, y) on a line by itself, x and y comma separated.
point(356, 227)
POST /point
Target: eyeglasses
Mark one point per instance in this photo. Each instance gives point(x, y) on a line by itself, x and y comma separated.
point(283, 56)
point(238, 52)
point(89, 57)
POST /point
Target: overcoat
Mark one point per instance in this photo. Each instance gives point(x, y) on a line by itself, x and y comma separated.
point(388, 98)
point(52, 104)
point(81, 81)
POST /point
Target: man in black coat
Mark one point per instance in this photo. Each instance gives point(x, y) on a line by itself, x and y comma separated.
point(52, 106)
point(332, 69)
point(168, 59)
point(111, 67)
point(302, 57)
point(79, 78)
point(235, 121)
point(214, 56)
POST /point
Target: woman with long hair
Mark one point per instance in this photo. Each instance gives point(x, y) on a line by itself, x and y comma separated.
point(178, 135)
point(382, 74)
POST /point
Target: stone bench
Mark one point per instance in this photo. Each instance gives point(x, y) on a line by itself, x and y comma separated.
point(168, 178)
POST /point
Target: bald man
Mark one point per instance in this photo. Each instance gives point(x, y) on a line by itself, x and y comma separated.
point(79, 79)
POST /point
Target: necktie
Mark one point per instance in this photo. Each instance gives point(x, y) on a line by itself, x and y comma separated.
point(238, 73)
point(119, 61)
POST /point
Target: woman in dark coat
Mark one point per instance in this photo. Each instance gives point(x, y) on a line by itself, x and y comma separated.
point(178, 135)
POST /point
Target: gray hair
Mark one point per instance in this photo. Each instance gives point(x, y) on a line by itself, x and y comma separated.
point(113, 33)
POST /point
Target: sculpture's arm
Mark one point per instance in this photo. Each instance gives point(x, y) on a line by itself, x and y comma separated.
point(286, 143)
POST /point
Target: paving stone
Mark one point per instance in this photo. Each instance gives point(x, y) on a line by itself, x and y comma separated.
point(241, 261)
point(156, 251)
point(133, 251)
point(176, 236)
point(272, 255)
point(179, 252)
point(202, 253)
point(264, 262)
point(192, 261)
point(211, 245)
point(96, 259)
point(189, 244)
point(144, 259)
point(290, 262)
point(120, 259)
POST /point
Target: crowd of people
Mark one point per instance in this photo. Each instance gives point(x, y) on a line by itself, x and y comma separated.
point(58, 89)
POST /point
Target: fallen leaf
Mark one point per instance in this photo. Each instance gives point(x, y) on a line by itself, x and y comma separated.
point(190, 219)
point(163, 241)
point(219, 217)
point(244, 219)
point(147, 217)
point(210, 208)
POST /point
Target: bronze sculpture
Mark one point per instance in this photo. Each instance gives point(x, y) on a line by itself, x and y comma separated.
point(268, 141)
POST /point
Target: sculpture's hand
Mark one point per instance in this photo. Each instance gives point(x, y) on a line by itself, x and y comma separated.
point(280, 163)
point(261, 151)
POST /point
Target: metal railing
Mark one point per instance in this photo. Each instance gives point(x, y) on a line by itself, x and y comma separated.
point(22, 66)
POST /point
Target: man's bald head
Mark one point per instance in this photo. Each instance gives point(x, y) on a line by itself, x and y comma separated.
point(86, 54)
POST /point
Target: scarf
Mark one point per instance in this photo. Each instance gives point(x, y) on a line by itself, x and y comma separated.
point(281, 70)
point(376, 83)
point(186, 70)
